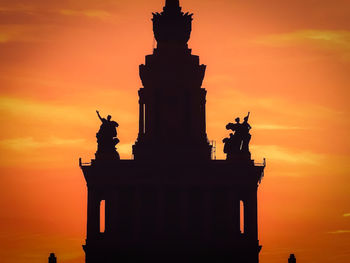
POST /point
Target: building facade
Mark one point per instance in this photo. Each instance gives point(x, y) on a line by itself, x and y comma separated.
point(172, 202)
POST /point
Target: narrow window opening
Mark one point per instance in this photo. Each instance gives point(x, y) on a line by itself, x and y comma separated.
point(144, 118)
point(241, 220)
point(102, 216)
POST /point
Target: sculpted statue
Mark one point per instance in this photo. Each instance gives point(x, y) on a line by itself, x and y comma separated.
point(107, 138)
point(246, 136)
point(238, 142)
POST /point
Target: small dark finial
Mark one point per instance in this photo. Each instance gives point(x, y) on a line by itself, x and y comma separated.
point(292, 259)
point(172, 3)
point(52, 258)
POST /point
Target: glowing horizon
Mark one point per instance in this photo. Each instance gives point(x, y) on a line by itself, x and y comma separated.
point(286, 63)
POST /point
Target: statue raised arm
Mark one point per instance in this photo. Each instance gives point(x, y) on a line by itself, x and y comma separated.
point(99, 116)
point(245, 122)
point(109, 117)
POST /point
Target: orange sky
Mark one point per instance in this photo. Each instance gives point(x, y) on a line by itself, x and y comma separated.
point(288, 62)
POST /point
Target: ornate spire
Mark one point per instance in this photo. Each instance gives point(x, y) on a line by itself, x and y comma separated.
point(172, 26)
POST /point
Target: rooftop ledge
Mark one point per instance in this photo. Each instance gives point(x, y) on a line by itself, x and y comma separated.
point(129, 161)
point(211, 171)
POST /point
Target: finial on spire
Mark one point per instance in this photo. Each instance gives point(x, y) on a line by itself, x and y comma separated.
point(172, 6)
point(292, 259)
point(172, 3)
point(52, 258)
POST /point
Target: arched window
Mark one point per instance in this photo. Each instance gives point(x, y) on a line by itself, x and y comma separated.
point(241, 218)
point(102, 216)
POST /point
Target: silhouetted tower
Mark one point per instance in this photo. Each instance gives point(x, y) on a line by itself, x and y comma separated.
point(292, 259)
point(172, 102)
point(52, 258)
point(172, 203)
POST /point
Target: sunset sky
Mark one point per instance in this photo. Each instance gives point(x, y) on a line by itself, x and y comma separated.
point(287, 62)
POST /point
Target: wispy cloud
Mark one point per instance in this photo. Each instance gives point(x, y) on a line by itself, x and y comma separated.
point(23, 33)
point(62, 114)
point(277, 127)
point(93, 13)
point(27, 9)
point(295, 115)
point(339, 232)
point(329, 38)
point(28, 143)
point(285, 155)
point(335, 40)
point(42, 32)
point(347, 215)
point(40, 110)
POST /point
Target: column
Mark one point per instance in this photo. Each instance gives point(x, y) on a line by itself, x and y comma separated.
point(184, 205)
point(203, 111)
point(251, 215)
point(236, 214)
point(207, 214)
point(141, 114)
point(160, 210)
point(136, 216)
point(93, 215)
